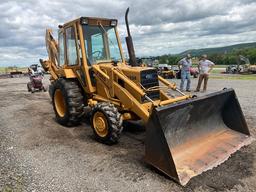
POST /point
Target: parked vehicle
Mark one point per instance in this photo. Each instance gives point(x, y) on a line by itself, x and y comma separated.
point(165, 71)
point(243, 66)
point(193, 72)
point(36, 79)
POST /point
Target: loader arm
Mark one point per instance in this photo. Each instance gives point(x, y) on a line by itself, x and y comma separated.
point(143, 110)
point(128, 100)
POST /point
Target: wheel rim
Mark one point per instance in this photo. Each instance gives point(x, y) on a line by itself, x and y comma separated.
point(59, 102)
point(100, 124)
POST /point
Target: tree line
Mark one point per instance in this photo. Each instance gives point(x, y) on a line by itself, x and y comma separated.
point(228, 58)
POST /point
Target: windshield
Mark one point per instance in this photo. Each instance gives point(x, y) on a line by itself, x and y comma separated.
point(101, 44)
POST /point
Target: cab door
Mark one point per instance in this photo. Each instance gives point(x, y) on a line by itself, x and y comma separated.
point(73, 56)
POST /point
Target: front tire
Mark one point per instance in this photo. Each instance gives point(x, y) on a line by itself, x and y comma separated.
point(106, 123)
point(67, 102)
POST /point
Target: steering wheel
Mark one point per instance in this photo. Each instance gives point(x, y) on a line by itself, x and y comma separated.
point(99, 53)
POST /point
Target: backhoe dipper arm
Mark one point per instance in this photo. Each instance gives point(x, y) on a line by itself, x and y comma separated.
point(52, 50)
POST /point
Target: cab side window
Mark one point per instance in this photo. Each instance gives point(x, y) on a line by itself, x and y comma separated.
point(71, 46)
point(61, 49)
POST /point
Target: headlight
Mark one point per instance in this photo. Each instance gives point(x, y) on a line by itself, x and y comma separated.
point(149, 76)
point(84, 21)
point(113, 23)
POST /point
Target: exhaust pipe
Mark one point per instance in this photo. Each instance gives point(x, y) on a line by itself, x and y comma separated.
point(129, 42)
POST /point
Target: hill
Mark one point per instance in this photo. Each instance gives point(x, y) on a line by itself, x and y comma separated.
point(219, 50)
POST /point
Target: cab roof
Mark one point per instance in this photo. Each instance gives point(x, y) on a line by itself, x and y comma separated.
point(92, 21)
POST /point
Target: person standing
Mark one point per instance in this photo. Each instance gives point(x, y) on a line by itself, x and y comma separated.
point(205, 67)
point(184, 67)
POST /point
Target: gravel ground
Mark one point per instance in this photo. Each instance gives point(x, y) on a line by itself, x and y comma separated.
point(37, 154)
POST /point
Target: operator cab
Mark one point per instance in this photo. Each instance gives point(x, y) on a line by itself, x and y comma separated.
point(95, 39)
point(100, 39)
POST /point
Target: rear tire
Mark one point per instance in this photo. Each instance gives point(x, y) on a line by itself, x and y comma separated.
point(68, 103)
point(106, 123)
point(50, 90)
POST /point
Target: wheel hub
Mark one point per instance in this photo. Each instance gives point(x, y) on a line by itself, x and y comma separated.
point(100, 124)
point(59, 102)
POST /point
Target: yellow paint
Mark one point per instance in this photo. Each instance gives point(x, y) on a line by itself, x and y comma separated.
point(100, 124)
point(69, 73)
point(118, 84)
point(92, 102)
point(59, 102)
point(173, 100)
point(127, 116)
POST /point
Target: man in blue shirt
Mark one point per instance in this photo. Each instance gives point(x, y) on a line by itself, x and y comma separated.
point(184, 65)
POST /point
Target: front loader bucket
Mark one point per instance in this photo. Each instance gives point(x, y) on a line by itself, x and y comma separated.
point(187, 138)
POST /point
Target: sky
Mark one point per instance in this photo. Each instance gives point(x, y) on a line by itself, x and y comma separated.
point(157, 26)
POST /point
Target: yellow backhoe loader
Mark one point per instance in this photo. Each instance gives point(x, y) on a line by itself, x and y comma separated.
point(185, 135)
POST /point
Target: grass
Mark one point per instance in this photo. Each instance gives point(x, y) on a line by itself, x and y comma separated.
point(220, 66)
point(214, 71)
point(4, 69)
point(234, 77)
point(216, 74)
point(215, 66)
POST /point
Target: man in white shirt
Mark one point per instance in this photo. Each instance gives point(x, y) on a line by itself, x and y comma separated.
point(205, 67)
point(184, 66)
